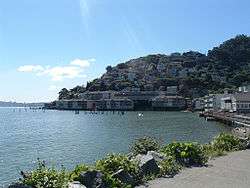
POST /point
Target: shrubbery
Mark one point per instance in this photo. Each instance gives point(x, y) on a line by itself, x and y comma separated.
point(169, 167)
point(176, 155)
point(143, 145)
point(74, 175)
point(227, 142)
point(186, 154)
point(44, 177)
point(114, 162)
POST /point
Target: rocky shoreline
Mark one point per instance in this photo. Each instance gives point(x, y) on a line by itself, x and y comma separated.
point(147, 161)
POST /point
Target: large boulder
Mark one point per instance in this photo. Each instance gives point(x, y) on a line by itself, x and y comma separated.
point(124, 177)
point(76, 184)
point(157, 156)
point(92, 179)
point(147, 164)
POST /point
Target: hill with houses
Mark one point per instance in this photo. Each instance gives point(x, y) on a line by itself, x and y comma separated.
point(193, 74)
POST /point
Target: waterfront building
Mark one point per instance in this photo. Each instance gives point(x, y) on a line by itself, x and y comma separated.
point(168, 102)
point(241, 102)
point(212, 102)
point(70, 104)
point(198, 104)
point(238, 102)
point(116, 104)
point(227, 104)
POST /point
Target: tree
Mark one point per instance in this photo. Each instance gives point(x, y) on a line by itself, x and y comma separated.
point(109, 68)
point(63, 94)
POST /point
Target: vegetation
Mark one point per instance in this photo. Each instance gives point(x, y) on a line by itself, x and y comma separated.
point(143, 145)
point(114, 162)
point(44, 177)
point(177, 155)
point(226, 142)
point(169, 167)
point(74, 175)
point(186, 154)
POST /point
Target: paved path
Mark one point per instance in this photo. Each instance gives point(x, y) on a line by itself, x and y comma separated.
point(231, 171)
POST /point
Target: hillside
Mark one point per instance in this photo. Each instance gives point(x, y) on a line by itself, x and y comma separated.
point(195, 74)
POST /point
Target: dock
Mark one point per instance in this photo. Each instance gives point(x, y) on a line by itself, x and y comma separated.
point(231, 119)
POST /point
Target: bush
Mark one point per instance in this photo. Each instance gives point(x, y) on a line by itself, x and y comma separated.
point(114, 162)
point(211, 152)
point(143, 145)
point(169, 167)
point(186, 154)
point(74, 175)
point(227, 142)
point(44, 177)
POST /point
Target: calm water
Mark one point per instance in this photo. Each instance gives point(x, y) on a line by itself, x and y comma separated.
point(62, 137)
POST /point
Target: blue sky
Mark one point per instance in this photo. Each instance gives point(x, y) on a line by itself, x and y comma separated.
point(46, 45)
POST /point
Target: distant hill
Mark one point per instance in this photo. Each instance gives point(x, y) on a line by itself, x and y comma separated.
point(195, 74)
point(15, 104)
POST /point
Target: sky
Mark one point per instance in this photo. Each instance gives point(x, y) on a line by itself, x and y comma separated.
point(46, 45)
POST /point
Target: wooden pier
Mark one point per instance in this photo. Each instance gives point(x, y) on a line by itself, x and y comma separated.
point(229, 118)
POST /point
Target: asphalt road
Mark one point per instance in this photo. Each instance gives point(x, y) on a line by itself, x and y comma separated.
point(230, 171)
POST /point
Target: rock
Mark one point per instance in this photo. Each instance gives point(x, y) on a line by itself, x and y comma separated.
point(19, 185)
point(248, 144)
point(92, 179)
point(157, 156)
point(147, 164)
point(124, 177)
point(76, 184)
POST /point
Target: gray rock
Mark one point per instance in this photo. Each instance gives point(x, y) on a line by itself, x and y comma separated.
point(157, 156)
point(124, 177)
point(92, 179)
point(147, 164)
point(19, 185)
point(76, 184)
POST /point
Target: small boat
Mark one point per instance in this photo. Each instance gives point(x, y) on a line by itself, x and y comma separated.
point(140, 114)
point(77, 112)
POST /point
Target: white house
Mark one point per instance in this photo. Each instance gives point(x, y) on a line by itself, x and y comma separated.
point(241, 101)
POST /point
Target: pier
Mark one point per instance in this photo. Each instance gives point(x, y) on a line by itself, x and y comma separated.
point(228, 118)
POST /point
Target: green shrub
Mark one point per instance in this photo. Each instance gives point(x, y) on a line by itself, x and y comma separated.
point(74, 174)
point(114, 162)
point(143, 145)
point(169, 167)
point(186, 154)
point(44, 177)
point(211, 152)
point(227, 142)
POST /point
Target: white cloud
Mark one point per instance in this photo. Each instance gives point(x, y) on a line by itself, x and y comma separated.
point(30, 68)
point(82, 63)
point(75, 69)
point(59, 73)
